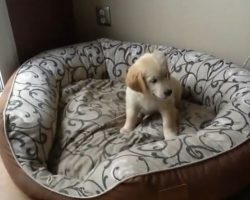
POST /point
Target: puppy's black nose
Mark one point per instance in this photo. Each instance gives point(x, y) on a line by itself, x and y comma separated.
point(168, 92)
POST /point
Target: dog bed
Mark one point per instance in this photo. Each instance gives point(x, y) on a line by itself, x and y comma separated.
point(62, 111)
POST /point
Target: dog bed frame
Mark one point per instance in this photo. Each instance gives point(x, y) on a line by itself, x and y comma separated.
point(62, 111)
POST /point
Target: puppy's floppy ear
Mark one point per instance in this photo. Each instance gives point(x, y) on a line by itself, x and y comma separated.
point(135, 80)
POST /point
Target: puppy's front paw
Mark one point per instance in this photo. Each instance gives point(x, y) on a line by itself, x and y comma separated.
point(124, 130)
point(169, 134)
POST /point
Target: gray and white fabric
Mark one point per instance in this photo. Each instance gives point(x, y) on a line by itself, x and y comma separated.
point(67, 105)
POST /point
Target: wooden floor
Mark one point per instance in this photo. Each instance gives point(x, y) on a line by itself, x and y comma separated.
point(8, 190)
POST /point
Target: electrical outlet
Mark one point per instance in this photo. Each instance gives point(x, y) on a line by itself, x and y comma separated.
point(103, 15)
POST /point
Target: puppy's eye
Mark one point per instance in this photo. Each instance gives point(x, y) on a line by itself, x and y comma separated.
point(153, 80)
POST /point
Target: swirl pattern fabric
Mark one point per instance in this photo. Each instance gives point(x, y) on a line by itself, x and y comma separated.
point(63, 116)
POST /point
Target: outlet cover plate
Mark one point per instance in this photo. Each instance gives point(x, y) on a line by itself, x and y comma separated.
point(103, 16)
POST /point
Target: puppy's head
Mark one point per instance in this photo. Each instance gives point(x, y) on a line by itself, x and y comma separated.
point(150, 75)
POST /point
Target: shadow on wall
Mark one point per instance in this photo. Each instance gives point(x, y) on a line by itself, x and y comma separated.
point(41, 25)
point(8, 54)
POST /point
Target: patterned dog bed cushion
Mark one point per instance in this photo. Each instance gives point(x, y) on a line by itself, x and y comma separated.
point(66, 107)
point(92, 113)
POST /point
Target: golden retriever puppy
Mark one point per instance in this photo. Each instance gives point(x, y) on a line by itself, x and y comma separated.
point(150, 88)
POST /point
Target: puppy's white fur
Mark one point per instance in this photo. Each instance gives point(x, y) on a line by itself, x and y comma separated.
point(150, 88)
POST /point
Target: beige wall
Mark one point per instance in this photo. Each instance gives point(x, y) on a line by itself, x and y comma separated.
point(218, 27)
point(8, 54)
